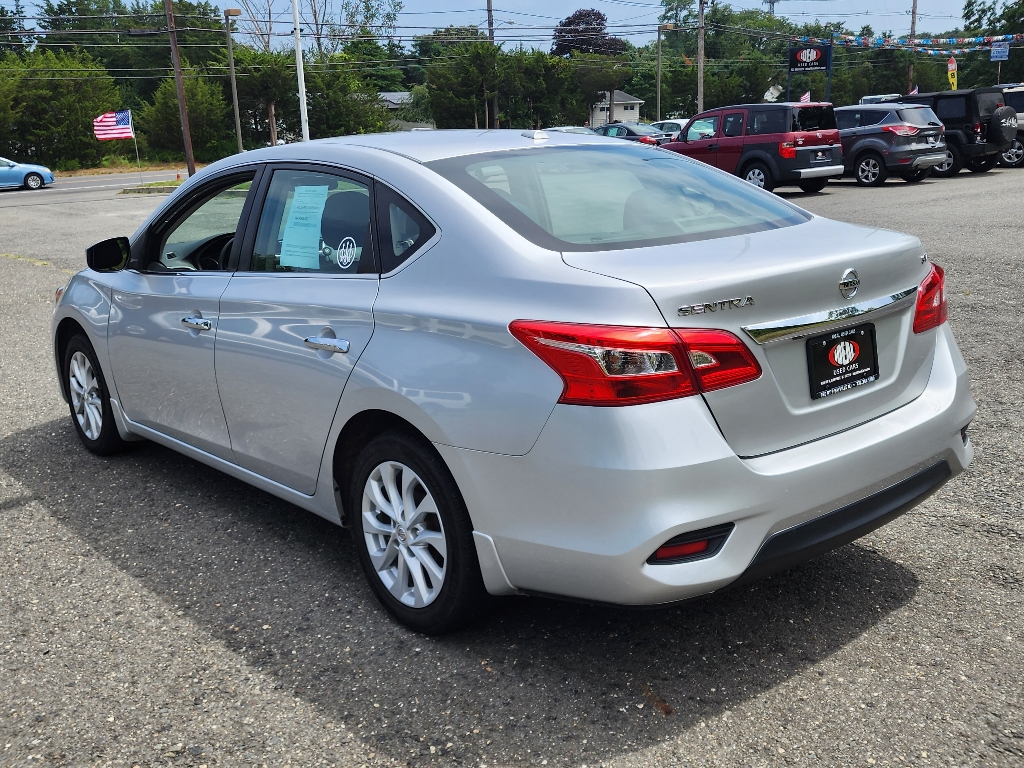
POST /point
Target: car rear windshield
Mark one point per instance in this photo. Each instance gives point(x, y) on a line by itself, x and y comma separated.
point(644, 130)
point(813, 118)
point(922, 116)
point(599, 198)
point(989, 103)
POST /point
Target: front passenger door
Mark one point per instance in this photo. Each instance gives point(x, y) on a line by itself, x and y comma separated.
point(164, 314)
point(295, 319)
point(701, 140)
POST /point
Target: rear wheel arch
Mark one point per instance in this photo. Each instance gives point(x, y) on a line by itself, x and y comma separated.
point(358, 431)
point(757, 157)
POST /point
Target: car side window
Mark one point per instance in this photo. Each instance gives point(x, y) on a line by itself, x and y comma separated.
point(201, 239)
point(1015, 100)
point(704, 128)
point(403, 229)
point(769, 121)
point(847, 119)
point(314, 222)
point(952, 108)
point(873, 117)
point(732, 125)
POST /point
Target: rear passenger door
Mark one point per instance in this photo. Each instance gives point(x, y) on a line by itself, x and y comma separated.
point(295, 318)
point(730, 146)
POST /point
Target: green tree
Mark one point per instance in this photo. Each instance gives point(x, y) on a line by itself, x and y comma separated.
point(12, 22)
point(209, 121)
point(264, 78)
point(45, 120)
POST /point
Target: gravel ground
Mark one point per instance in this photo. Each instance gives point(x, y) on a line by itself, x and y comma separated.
point(155, 612)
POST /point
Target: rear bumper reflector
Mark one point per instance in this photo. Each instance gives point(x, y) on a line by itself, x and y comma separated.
point(692, 545)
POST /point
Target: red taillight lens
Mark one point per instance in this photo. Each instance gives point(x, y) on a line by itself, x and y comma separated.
point(977, 128)
point(648, 140)
point(931, 301)
point(622, 365)
point(787, 149)
point(719, 359)
point(901, 130)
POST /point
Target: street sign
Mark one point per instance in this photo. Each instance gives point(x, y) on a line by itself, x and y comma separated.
point(951, 72)
point(1000, 51)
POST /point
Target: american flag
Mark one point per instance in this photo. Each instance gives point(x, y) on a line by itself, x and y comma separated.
point(806, 98)
point(913, 92)
point(114, 125)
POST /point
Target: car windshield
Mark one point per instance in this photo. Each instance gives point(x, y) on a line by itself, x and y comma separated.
point(922, 116)
point(813, 119)
point(989, 103)
point(588, 198)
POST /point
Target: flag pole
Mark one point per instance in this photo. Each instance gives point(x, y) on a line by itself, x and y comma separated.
point(138, 161)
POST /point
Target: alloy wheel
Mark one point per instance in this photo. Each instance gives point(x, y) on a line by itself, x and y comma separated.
point(868, 170)
point(85, 395)
point(1015, 154)
point(403, 534)
point(33, 181)
point(946, 164)
point(756, 177)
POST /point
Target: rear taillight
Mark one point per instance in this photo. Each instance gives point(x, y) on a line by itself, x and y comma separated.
point(648, 140)
point(624, 365)
point(787, 149)
point(977, 128)
point(901, 130)
point(931, 309)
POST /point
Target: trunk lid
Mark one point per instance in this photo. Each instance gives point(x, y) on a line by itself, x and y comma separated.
point(789, 273)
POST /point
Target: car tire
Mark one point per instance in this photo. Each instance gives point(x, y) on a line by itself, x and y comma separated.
point(89, 399)
point(915, 176)
point(33, 181)
point(954, 162)
point(813, 185)
point(758, 174)
point(1014, 156)
point(870, 170)
point(421, 565)
point(981, 165)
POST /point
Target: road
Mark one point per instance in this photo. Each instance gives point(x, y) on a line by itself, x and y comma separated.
point(155, 612)
point(74, 213)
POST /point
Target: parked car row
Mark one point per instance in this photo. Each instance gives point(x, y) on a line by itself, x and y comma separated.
point(806, 144)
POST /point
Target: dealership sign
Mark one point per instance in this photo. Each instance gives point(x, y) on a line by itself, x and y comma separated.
point(809, 58)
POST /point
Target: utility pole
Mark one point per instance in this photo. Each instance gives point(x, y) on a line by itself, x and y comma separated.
point(661, 28)
point(228, 13)
point(490, 36)
point(913, 31)
point(179, 85)
point(700, 55)
point(299, 72)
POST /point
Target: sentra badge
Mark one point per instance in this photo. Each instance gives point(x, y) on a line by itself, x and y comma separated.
point(714, 306)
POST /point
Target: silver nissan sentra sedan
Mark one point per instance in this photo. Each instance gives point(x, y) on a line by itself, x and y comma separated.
point(518, 362)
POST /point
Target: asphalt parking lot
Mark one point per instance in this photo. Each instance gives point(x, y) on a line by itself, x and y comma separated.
point(155, 612)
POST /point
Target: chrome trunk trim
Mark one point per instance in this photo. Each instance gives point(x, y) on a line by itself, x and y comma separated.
point(805, 325)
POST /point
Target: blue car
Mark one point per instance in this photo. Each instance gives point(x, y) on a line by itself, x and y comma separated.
point(14, 174)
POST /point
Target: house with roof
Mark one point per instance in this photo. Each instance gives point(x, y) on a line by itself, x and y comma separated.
point(623, 108)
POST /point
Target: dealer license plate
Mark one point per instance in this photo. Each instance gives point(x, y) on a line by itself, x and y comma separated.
point(842, 360)
point(821, 155)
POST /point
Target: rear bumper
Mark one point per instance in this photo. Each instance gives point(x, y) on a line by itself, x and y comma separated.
point(815, 537)
point(603, 488)
point(817, 173)
point(926, 161)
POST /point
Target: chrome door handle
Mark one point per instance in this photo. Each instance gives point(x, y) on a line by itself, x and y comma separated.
point(326, 344)
point(196, 323)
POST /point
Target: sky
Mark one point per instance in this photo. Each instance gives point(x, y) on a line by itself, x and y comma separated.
point(636, 19)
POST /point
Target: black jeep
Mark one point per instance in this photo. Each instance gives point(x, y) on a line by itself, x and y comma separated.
point(979, 127)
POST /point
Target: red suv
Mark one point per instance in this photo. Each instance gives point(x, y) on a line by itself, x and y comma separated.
point(767, 144)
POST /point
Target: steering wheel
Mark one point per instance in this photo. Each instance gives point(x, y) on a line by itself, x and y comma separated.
point(209, 262)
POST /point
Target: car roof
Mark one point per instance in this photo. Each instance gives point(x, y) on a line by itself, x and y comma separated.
point(883, 104)
point(962, 92)
point(425, 146)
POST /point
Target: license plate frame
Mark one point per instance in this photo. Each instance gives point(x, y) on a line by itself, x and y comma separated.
point(841, 360)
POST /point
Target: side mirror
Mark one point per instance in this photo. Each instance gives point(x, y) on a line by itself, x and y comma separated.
point(109, 255)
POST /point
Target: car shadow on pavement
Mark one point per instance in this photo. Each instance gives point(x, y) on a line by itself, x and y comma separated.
point(537, 680)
